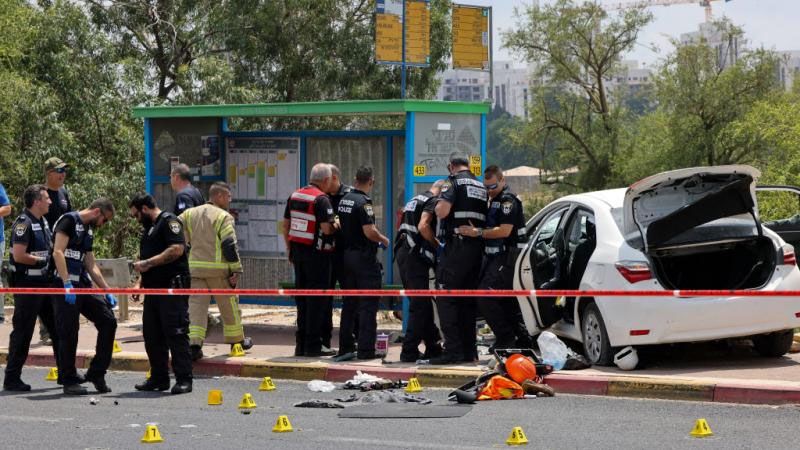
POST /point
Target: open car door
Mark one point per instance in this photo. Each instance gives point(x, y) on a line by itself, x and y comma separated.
point(783, 202)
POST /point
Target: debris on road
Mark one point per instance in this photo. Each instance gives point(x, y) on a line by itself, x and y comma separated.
point(321, 386)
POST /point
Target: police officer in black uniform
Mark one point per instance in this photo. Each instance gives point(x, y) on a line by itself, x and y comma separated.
point(461, 202)
point(73, 257)
point(415, 257)
point(187, 195)
point(165, 322)
point(362, 270)
point(28, 267)
point(308, 220)
point(504, 235)
point(337, 191)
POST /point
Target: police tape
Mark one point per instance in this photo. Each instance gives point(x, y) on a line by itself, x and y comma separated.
point(406, 292)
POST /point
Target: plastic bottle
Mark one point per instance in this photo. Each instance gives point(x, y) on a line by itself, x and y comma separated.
point(382, 344)
point(554, 352)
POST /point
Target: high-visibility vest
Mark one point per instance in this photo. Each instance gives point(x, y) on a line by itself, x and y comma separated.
point(303, 226)
point(206, 227)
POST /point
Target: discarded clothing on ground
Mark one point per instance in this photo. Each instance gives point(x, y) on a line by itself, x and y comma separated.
point(321, 386)
point(392, 397)
point(575, 361)
point(500, 388)
point(366, 382)
point(318, 404)
point(349, 399)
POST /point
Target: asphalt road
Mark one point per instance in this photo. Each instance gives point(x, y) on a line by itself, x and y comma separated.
point(44, 419)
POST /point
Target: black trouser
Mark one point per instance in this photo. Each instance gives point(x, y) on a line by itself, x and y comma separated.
point(311, 273)
point(26, 309)
point(337, 276)
point(165, 325)
point(459, 268)
point(501, 313)
point(97, 311)
point(414, 273)
point(362, 271)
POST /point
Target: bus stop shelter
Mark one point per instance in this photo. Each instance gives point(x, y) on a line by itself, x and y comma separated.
point(265, 166)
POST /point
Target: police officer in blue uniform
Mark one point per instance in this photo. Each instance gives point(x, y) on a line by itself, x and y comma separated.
point(337, 191)
point(73, 257)
point(187, 195)
point(504, 236)
point(360, 239)
point(28, 265)
point(463, 201)
point(416, 255)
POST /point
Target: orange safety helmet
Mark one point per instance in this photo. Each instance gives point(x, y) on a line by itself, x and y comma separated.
point(520, 368)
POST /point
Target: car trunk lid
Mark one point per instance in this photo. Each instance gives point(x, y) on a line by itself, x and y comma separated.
point(661, 207)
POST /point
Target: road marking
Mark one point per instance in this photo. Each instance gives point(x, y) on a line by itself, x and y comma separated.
point(34, 419)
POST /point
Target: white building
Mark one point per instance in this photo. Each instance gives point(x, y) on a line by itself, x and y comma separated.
point(511, 87)
point(789, 68)
point(728, 48)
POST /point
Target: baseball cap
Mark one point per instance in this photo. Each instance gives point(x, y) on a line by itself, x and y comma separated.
point(54, 163)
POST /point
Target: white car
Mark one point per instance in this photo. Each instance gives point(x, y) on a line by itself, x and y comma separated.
point(694, 228)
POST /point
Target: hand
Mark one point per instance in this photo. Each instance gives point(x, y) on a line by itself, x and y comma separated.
point(467, 230)
point(69, 298)
point(141, 266)
point(440, 249)
point(111, 300)
point(41, 263)
point(233, 280)
point(381, 245)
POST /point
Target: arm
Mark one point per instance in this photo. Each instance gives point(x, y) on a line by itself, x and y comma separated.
point(499, 232)
point(230, 248)
point(286, 224)
point(58, 256)
point(4, 211)
point(94, 272)
point(443, 208)
point(21, 255)
point(425, 229)
point(171, 253)
point(372, 233)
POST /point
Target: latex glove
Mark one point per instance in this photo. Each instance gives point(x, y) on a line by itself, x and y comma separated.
point(69, 298)
point(111, 300)
point(440, 249)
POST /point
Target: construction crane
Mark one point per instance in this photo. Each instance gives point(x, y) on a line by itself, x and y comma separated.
point(648, 3)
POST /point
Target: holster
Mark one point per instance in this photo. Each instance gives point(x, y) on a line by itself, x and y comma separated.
point(182, 281)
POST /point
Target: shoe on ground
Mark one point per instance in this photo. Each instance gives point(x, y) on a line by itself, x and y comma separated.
point(151, 385)
point(75, 389)
point(247, 343)
point(181, 387)
point(366, 355)
point(197, 352)
point(99, 384)
point(405, 357)
point(533, 388)
point(16, 386)
point(80, 378)
point(320, 353)
point(45, 340)
point(444, 359)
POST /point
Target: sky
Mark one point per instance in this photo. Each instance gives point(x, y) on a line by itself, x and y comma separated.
point(773, 24)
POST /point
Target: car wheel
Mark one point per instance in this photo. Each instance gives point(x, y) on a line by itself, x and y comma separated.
point(596, 345)
point(773, 344)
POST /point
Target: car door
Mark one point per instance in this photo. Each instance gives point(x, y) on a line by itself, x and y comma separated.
point(780, 208)
point(535, 262)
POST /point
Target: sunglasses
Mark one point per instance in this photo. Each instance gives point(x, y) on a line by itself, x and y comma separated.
point(60, 170)
point(491, 186)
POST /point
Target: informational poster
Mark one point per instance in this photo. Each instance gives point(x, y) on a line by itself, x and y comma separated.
point(263, 173)
point(389, 18)
point(470, 37)
point(437, 136)
point(209, 148)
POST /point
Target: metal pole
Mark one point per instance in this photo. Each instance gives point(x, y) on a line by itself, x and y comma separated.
point(491, 57)
point(403, 63)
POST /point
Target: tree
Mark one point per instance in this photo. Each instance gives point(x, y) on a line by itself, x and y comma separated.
point(577, 48)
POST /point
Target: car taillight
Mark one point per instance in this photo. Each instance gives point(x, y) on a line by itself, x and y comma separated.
point(789, 258)
point(634, 271)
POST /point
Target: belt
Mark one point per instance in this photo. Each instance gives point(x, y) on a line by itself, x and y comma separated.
point(494, 250)
point(29, 272)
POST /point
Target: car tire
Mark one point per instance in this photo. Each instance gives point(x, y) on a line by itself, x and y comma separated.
point(596, 346)
point(775, 344)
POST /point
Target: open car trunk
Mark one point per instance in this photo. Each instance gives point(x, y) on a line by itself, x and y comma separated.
point(733, 264)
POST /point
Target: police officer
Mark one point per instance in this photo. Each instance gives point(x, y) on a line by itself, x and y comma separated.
point(187, 196)
point(55, 171)
point(28, 266)
point(360, 239)
point(462, 201)
point(307, 220)
point(73, 257)
point(337, 191)
point(165, 322)
point(415, 257)
point(504, 235)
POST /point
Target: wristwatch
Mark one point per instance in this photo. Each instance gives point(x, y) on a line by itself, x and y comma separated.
point(480, 232)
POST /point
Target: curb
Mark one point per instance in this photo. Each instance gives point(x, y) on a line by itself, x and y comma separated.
point(566, 383)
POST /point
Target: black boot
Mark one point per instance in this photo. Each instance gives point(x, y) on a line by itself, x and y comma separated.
point(247, 343)
point(16, 386)
point(75, 389)
point(99, 384)
point(182, 387)
point(150, 385)
point(197, 352)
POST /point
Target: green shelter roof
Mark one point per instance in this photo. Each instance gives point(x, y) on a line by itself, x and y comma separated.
point(338, 108)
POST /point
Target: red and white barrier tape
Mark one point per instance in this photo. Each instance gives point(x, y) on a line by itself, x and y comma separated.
point(408, 292)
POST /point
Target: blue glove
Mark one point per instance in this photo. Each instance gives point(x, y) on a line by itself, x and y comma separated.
point(111, 300)
point(69, 298)
point(440, 250)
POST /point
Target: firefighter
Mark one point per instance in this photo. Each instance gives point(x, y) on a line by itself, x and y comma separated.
point(74, 260)
point(415, 258)
point(165, 320)
point(462, 201)
point(214, 264)
point(360, 239)
point(503, 236)
point(308, 227)
point(28, 267)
